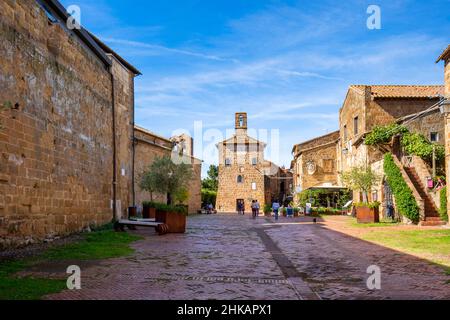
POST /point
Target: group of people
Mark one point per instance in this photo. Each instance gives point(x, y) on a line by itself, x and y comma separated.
point(276, 208)
point(255, 208)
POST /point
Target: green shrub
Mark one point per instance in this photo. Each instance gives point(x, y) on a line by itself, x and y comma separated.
point(267, 208)
point(417, 144)
point(209, 196)
point(405, 201)
point(443, 208)
point(150, 204)
point(370, 205)
point(165, 207)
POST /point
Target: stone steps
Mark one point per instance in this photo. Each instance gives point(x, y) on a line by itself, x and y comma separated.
point(432, 217)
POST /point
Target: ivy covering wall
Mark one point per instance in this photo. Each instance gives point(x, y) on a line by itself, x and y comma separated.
point(413, 143)
point(443, 208)
point(404, 198)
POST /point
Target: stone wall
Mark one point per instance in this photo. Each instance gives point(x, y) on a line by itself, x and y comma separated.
point(56, 150)
point(320, 154)
point(148, 147)
point(430, 122)
point(230, 189)
point(447, 127)
point(124, 107)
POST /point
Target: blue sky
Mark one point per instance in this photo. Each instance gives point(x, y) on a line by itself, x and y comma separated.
point(288, 64)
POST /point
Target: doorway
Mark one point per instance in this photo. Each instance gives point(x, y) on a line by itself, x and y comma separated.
point(238, 203)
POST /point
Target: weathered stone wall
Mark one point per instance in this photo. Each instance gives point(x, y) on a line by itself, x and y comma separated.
point(321, 152)
point(447, 78)
point(56, 145)
point(386, 111)
point(148, 147)
point(426, 124)
point(447, 128)
point(124, 105)
point(230, 190)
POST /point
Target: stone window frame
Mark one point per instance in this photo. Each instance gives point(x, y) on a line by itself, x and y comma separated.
point(227, 162)
point(325, 167)
point(436, 136)
point(240, 179)
point(356, 125)
point(254, 161)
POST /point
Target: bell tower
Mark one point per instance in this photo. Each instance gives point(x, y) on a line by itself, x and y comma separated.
point(241, 123)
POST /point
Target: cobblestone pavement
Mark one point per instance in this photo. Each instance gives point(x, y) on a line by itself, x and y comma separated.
point(235, 257)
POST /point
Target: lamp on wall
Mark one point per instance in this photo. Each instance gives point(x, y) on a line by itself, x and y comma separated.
point(445, 106)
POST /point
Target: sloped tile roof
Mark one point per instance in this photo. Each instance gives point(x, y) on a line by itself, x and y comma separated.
point(403, 91)
point(444, 54)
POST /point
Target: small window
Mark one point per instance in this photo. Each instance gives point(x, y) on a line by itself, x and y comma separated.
point(434, 137)
point(356, 124)
point(227, 162)
point(240, 179)
point(253, 185)
point(328, 165)
point(375, 196)
point(254, 161)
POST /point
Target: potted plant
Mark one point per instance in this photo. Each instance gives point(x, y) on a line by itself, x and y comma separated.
point(363, 179)
point(173, 216)
point(296, 212)
point(267, 210)
point(164, 176)
point(149, 210)
point(367, 212)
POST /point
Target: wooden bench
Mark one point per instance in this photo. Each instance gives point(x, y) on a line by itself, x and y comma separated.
point(160, 227)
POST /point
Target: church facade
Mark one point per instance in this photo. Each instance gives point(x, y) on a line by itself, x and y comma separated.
point(244, 174)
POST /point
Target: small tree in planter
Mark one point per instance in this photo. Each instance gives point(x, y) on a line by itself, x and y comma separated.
point(166, 177)
point(362, 179)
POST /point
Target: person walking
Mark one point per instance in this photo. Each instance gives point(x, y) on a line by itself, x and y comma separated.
point(290, 211)
point(257, 207)
point(253, 209)
point(275, 208)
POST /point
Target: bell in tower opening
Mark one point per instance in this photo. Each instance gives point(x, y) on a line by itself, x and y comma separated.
point(241, 120)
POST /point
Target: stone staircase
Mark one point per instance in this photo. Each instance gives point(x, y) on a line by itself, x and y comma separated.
point(432, 217)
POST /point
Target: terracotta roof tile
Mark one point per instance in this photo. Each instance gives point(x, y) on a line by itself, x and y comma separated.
point(403, 91)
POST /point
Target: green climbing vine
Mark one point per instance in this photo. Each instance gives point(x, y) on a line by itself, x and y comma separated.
point(405, 201)
point(413, 143)
point(384, 134)
point(443, 208)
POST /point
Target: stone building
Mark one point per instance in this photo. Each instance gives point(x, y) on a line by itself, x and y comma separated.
point(244, 174)
point(65, 141)
point(148, 146)
point(445, 108)
point(314, 164)
point(368, 106)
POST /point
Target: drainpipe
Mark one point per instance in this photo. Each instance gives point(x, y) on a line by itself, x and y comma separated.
point(113, 112)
